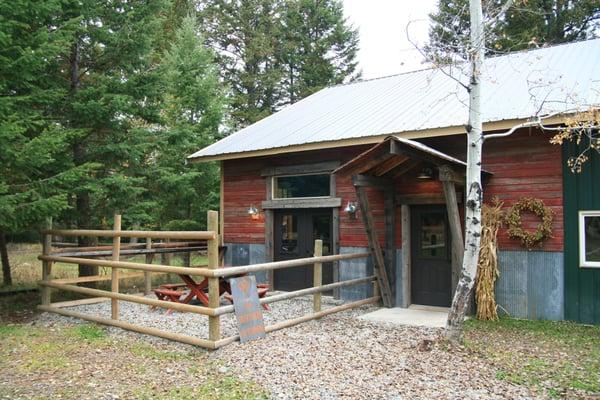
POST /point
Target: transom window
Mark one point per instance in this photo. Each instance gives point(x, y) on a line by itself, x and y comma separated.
point(298, 186)
point(589, 239)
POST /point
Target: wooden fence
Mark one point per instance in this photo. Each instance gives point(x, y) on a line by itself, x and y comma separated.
point(211, 271)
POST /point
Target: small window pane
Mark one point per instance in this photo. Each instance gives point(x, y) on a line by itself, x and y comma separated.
point(301, 186)
point(289, 234)
point(591, 234)
point(433, 235)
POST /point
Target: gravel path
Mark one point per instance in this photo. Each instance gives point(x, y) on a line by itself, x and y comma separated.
point(337, 357)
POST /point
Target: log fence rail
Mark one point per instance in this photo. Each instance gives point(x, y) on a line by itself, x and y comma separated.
point(199, 240)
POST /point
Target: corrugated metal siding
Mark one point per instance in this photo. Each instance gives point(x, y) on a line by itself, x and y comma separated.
point(429, 99)
point(531, 284)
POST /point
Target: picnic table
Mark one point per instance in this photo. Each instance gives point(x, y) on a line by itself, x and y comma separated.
point(172, 292)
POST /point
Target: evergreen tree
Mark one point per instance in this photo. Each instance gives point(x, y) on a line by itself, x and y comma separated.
point(245, 34)
point(319, 47)
point(193, 113)
point(525, 24)
point(113, 103)
point(275, 52)
point(36, 173)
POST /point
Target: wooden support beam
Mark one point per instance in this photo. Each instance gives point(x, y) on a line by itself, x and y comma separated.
point(80, 302)
point(99, 278)
point(404, 168)
point(317, 276)
point(302, 292)
point(147, 276)
point(214, 293)
point(46, 264)
point(390, 239)
point(448, 174)
point(114, 282)
point(372, 181)
point(132, 327)
point(457, 242)
point(374, 247)
point(295, 321)
point(133, 298)
point(175, 235)
point(388, 165)
point(406, 253)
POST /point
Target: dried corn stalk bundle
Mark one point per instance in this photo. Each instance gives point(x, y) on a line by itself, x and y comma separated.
point(487, 269)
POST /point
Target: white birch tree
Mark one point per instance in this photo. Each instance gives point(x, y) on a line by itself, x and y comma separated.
point(462, 295)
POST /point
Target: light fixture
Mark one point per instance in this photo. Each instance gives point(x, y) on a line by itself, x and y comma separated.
point(351, 209)
point(426, 173)
point(253, 212)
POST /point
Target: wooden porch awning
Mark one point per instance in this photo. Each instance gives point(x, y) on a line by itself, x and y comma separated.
point(378, 167)
point(395, 156)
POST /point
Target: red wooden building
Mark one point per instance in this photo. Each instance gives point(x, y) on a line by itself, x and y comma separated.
point(293, 177)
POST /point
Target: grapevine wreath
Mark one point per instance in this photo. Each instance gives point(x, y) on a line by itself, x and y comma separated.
point(515, 225)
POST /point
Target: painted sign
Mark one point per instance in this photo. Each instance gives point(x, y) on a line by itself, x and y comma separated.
point(247, 308)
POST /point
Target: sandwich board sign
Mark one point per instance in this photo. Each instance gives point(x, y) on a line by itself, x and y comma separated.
point(247, 308)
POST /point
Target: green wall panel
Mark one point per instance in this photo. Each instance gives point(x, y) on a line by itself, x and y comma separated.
point(582, 285)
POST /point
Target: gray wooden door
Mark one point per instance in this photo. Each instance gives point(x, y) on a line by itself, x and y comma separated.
point(295, 233)
point(431, 266)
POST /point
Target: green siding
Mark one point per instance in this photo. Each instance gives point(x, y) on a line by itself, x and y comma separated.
point(582, 285)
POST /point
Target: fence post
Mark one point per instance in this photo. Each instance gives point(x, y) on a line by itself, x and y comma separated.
point(318, 276)
point(114, 282)
point(147, 276)
point(46, 265)
point(214, 295)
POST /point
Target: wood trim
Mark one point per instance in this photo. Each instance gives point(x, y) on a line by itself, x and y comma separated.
point(372, 181)
point(406, 253)
point(300, 169)
point(390, 240)
point(335, 236)
point(374, 246)
point(222, 204)
point(455, 231)
point(423, 198)
point(325, 202)
point(416, 134)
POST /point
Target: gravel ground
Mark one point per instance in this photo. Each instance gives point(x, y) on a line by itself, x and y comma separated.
point(337, 357)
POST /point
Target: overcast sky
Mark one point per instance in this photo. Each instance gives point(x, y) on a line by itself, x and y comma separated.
point(384, 47)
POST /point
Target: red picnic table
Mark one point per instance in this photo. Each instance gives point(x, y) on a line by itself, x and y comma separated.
point(170, 292)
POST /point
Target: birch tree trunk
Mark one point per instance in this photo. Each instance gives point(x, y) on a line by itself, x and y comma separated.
point(464, 289)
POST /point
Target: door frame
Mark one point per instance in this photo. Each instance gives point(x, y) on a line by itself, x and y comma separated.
point(334, 203)
point(416, 211)
point(305, 232)
point(405, 299)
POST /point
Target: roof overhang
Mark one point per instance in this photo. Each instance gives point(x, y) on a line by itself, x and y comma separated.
point(395, 156)
point(418, 134)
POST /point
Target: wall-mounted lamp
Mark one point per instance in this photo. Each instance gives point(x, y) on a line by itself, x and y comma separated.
point(253, 212)
point(351, 209)
point(426, 173)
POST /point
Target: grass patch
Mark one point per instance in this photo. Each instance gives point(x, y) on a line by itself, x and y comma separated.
point(553, 358)
point(147, 351)
point(225, 388)
point(66, 356)
point(89, 332)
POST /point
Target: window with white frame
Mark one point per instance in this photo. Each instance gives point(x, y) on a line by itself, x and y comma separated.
point(589, 239)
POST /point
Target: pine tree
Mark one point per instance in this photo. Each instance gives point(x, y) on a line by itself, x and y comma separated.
point(319, 47)
point(113, 103)
point(35, 173)
point(525, 24)
point(245, 34)
point(276, 52)
point(193, 114)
